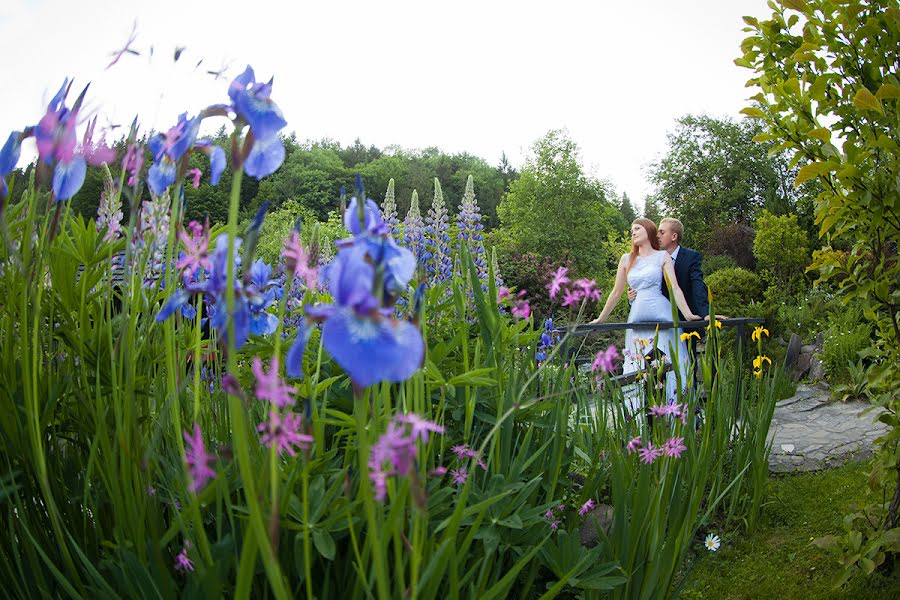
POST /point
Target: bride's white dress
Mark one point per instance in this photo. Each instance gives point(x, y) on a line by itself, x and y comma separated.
point(646, 277)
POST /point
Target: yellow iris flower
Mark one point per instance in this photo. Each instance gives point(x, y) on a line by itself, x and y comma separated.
point(718, 325)
point(758, 373)
point(688, 335)
point(759, 360)
point(758, 333)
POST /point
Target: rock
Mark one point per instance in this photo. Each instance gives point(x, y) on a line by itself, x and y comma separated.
point(816, 369)
point(808, 349)
point(787, 448)
point(820, 342)
point(793, 351)
point(802, 365)
point(601, 517)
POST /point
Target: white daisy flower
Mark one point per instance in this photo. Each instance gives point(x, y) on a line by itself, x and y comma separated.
point(712, 542)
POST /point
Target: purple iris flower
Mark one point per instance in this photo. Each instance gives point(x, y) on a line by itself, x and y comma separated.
point(251, 101)
point(56, 140)
point(9, 156)
point(167, 150)
point(357, 331)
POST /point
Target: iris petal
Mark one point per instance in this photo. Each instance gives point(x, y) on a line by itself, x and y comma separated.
point(373, 350)
point(216, 164)
point(68, 178)
point(160, 176)
point(10, 153)
point(293, 360)
point(265, 157)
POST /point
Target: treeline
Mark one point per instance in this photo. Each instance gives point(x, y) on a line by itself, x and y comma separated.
point(314, 171)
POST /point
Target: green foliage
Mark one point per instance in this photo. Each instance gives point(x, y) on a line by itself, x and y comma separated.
point(555, 211)
point(277, 227)
point(734, 240)
point(716, 262)
point(829, 93)
point(780, 249)
point(627, 209)
point(713, 175)
point(848, 334)
point(734, 289)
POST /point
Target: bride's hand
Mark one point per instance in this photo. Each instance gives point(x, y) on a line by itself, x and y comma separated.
point(596, 321)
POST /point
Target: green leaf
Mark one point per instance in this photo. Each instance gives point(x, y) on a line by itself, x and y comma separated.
point(753, 112)
point(798, 5)
point(866, 100)
point(888, 91)
point(324, 543)
point(474, 378)
point(814, 170)
point(820, 133)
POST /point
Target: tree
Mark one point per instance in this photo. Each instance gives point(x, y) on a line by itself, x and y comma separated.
point(652, 209)
point(554, 210)
point(829, 91)
point(627, 209)
point(713, 174)
point(780, 249)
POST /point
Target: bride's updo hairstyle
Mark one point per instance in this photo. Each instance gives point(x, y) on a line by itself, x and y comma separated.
point(650, 227)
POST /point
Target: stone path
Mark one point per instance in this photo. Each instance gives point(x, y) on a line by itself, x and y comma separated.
point(811, 433)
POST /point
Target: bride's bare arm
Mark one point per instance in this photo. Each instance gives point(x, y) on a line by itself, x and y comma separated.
point(669, 268)
point(615, 294)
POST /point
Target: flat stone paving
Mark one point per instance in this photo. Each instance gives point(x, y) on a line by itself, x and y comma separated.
point(812, 433)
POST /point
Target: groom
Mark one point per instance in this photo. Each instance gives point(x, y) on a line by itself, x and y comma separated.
point(687, 268)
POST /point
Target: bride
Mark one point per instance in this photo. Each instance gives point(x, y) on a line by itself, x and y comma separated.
point(643, 269)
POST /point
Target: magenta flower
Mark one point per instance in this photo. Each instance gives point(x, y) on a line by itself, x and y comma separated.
point(198, 460)
point(605, 360)
point(195, 173)
point(572, 297)
point(196, 254)
point(559, 278)
point(554, 525)
point(461, 451)
point(459, 476)
point(297, 259)
point(502, 293)
point(271, 387)
point(99, 153)
point(649, 454)
point(182, 562)
point(587, 507)
point(284, 434)
point(482, 464)
point(588, 289)
point(674, 447)
point(419, 426)
point(549, 514)
point(133, 162)
point(438, 471)
point(521, 309)
point(634, 445)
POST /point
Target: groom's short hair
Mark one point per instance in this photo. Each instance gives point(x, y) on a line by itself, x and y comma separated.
point(675, 226)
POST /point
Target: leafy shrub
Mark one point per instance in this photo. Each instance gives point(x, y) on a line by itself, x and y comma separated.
point(780, 249)
point(717, 262)
point(805, 313)
point(733, 290)
point(846, 336)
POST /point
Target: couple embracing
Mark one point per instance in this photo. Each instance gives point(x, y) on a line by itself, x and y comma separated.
point(654, 252)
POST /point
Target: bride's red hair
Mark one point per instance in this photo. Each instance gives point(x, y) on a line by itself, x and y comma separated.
point(650, 227)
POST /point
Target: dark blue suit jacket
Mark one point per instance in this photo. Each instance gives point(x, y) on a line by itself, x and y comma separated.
point(690, 280)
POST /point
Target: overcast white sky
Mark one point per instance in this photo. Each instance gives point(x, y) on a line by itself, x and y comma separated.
point(478, 76)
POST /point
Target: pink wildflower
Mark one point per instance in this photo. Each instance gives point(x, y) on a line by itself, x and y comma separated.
point(549, 514)
point(195, 173)
point(587, 507)
point(99, 153)
point(438, 471)
point(297, 259)
point(572, 297)
point(482, 464)
point(634, 445)
point(284, 434)
point(133, 162)
point(182, 562)
point(521, 309)
point(459, 476)
point(502, 294)
point(649, 454)
point(420, 427)
point(605, 360)
point(461, 451)
point(196, 254)
point(559, 278)
point(554, 525)
point(674, 447)
point(198, 460)
point(588, 289)
point(269, 386)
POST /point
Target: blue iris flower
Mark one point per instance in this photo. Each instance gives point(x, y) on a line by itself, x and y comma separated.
point(251, 100)
point(9, 156)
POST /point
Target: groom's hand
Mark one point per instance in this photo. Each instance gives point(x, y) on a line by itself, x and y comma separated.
point(632, 294)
